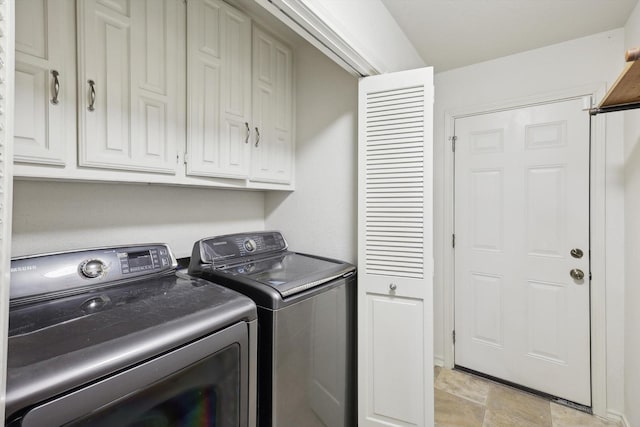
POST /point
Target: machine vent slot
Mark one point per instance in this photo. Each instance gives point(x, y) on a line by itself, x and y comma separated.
point(394, 183)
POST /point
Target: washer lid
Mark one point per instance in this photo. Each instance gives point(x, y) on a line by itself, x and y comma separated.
point(292, 273)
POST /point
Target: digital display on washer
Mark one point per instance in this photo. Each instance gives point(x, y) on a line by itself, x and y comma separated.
point(140, 260)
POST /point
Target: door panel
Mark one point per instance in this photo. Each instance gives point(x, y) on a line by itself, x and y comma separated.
point(395, 361)
point(219, 89)
point(130, 120)
point(271, 158)
point(395, 250)
point(44, 110)
point(521, 205)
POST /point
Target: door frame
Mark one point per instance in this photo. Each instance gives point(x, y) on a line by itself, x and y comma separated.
point(597, 226)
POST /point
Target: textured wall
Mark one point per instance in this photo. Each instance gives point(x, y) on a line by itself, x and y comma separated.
point(320, 216)
point(57, 216)
point(632, 243)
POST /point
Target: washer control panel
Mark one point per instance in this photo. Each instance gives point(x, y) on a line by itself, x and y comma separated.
point(223, 249)
point(62, 272)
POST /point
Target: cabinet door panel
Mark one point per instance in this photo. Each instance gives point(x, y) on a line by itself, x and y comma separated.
point(104, 104)
point(32, 102)
point(112, 87)
point(271, 159)
point(153, 128)
point(152, 40)
point(31, 28)
point(237, 154)
point(154, 84)
point(125, 50)
point(237, 92)
point(263, 49)
point(210, 119)
point(219, 90)
point(44, 49)
point(207, 31)
point(283, 96)
point(262, 111)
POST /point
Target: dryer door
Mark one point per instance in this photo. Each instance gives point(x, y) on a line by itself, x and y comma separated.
point(202, 384)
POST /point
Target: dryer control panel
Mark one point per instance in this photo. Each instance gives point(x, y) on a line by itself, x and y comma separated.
point(239, 247)
point(36, 276)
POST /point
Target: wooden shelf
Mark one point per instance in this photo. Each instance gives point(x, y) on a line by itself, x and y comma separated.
point(625, 92)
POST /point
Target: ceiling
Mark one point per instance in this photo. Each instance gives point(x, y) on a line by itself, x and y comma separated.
point(454, 33)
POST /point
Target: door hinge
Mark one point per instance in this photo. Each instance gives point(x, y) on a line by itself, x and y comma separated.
point(453, 241)
point(590, 276)
point(453, 140)
point(453, 335)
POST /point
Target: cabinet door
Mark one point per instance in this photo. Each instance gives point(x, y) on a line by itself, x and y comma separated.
point(129, 91)
point(272, 146)
point(45, 80)
point(219, 89)
point(395, 250)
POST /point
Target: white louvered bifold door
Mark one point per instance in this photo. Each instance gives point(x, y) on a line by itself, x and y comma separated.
point(395, 250)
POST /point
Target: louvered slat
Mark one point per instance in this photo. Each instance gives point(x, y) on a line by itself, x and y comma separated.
point(394, 196)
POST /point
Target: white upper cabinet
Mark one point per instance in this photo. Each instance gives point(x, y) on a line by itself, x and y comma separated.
point(219, 89)
point(45, 79)
point(161, 91)
point(129, 62)
point(240, 97)
point(272, 152)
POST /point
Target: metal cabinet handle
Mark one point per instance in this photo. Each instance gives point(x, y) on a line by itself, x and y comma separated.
point(392, 286)
point(56, 87)
point(257, 136)
point(92, 95)
point(246, 139)
point(577, 253)
point(577, 274)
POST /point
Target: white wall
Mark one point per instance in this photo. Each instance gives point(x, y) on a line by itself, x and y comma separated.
point(370, 29)
point(320, 216)
point(632, 243)
point(57, 216)
point(589, 60)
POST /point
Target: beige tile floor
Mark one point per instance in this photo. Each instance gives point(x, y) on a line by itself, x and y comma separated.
point(464, 400)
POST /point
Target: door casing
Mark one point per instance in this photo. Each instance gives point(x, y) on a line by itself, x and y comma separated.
point(597, 226)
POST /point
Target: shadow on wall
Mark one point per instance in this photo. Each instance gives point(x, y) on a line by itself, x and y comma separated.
point(54, 216)
point(320, 215)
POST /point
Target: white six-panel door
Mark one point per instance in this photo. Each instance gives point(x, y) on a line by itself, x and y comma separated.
point(521, 207)
point(395, 250)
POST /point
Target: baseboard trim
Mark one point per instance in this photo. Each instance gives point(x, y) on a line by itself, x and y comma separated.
point(438, 361)
point(618, 417)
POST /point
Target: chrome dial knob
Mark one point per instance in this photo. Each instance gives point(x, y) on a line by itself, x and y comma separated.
point(93, 268)
point(250, 245)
